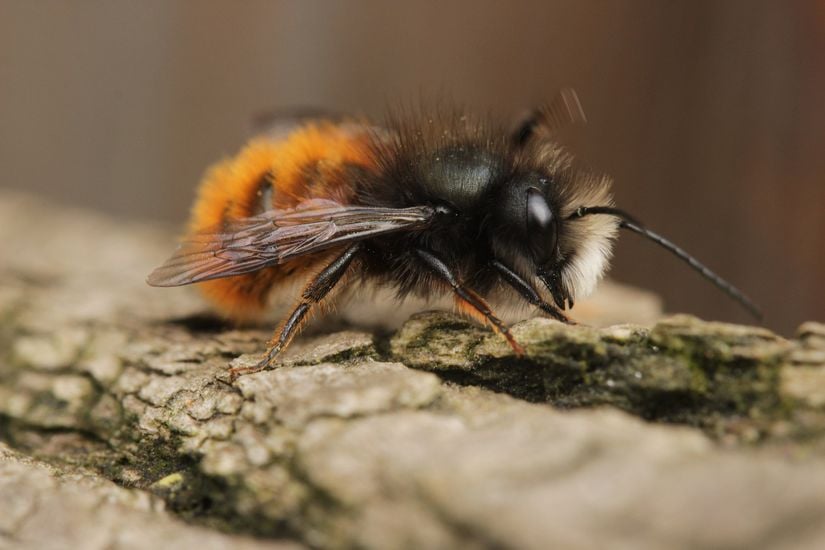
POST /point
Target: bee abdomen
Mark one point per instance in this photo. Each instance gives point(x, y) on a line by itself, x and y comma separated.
point(316, 161)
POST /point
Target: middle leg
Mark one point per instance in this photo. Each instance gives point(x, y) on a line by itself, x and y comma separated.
point(467, 300)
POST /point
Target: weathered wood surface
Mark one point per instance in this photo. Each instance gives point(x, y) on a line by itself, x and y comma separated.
point(120, 427)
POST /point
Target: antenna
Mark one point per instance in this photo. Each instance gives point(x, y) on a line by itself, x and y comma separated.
point(626, 221)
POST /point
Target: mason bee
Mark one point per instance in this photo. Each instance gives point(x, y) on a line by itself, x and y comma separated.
point(429, 203)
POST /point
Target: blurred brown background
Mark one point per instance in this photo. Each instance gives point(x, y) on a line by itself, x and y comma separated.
point(710, 115)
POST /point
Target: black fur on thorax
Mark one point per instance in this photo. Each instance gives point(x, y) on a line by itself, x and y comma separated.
point(454, 165)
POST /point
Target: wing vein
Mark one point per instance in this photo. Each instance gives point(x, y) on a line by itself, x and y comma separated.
point(276, 236)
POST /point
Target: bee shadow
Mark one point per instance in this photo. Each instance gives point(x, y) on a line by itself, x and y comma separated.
point(202, 323)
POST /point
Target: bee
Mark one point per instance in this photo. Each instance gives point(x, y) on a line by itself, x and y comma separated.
point(426, 204)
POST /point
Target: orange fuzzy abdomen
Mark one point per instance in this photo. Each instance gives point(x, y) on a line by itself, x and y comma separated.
point(315, 161)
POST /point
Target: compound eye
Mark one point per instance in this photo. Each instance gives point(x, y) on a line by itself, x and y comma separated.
point(541, 227)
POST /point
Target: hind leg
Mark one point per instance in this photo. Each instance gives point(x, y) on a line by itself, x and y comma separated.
point(313, 295)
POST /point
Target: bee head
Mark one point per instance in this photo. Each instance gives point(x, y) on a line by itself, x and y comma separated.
point(533, 231)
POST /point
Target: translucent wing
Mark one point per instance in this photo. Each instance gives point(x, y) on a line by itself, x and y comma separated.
point(276, 236)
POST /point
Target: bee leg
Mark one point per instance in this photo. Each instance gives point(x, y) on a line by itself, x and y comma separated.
point(563, 109)
point(314, 292)
point(528, 292)
point(467, 300)
point(526, 128)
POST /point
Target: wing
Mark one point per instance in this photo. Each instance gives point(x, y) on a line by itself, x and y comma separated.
point(277, 236)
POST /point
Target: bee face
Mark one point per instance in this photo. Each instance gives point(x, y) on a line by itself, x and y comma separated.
point(531, 233)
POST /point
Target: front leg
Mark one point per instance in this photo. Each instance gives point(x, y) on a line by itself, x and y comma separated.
point(467, 300)
point(528, 292)
point(314, 293)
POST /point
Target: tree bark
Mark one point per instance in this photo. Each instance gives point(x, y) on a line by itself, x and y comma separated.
point(115, 403)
